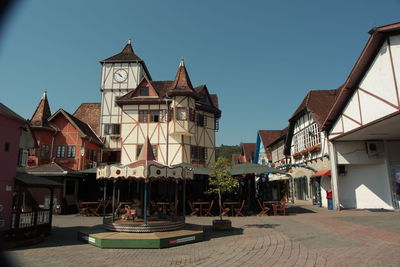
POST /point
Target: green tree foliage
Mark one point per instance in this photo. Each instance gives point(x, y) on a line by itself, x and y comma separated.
point(221, 180)
point(227, 151)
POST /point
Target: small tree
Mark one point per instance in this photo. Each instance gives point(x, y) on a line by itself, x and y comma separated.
point(221, 180)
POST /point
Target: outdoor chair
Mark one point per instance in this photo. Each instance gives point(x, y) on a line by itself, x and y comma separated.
point(194, 210)
point(225, 210)
point(171, 210)
point(98, 209)
point(264, 208)
point(154, 207)
point(238, 211)
point(81, 210)
point(280, 207)
point(208, 210)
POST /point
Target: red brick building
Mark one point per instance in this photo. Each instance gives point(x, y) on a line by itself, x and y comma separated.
point(63, 138)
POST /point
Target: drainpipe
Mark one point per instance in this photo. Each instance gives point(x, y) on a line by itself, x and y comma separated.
point(334, 175)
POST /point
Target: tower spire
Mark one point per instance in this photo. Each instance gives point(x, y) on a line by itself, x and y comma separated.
point(44, 94)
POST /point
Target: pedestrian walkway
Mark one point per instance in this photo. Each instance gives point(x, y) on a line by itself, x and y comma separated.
point(308, 236)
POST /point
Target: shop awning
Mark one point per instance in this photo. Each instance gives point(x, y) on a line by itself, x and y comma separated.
point(326, 172)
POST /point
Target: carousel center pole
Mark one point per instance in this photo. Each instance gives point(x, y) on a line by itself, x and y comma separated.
point(184, 199)
point(104, 198)
point(176, 198)
point(146, 184)
point(113, 201)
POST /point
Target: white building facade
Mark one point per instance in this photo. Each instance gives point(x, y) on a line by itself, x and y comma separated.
point(120, 74)
point(364, 127)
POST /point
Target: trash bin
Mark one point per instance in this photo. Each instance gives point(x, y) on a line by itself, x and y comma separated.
point(329, 199)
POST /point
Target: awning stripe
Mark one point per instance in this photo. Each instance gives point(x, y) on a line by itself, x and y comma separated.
point(326, 172)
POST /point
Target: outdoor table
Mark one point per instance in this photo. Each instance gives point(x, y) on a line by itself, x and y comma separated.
point(232, 204)
point(163, 206)
point(200, 205)
point(89, 207)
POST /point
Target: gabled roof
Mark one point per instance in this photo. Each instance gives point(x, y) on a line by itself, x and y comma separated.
point(7, 112)
point(42, 113)
point(318, 102)
point(89, 113)
point(375, 41)
point(247, 150)
point(161, 88)
point(269, 136)
point(84, 129)
point(283, 135)
point(53, 169)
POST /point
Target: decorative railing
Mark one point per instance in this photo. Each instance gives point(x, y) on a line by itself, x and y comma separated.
point(30, 219)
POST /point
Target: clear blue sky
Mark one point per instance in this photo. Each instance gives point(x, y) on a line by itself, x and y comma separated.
point(260, 57)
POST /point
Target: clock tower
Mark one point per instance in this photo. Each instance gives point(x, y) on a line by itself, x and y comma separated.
point(120, 74)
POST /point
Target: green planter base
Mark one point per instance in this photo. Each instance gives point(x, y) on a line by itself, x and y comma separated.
point(105, 239)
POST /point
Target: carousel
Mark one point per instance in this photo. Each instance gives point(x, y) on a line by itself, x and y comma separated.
point(142, 223)
point(142, 215)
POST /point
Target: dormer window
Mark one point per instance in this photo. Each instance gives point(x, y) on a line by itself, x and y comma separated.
point(144, 91)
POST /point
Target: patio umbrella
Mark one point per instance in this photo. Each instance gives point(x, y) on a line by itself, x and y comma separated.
point(196, 169)
point(251, 168)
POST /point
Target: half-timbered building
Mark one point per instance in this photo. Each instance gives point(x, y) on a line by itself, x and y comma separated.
point(120, 74)
point(180, 120)
point(307, 146)
point(364, 127)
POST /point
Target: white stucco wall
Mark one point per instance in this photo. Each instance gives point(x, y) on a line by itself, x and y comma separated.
point(365, 187)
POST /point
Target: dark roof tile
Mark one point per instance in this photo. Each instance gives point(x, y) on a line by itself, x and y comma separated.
point(89, 113)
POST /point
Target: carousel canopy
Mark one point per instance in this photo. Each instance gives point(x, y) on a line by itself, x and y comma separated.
point(196, 169)
point(146, 168)
point(250, 168)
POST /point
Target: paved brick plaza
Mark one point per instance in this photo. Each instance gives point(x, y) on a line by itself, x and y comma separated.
point(309, 236)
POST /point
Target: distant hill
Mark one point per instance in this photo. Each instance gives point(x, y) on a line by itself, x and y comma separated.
point(227, 151)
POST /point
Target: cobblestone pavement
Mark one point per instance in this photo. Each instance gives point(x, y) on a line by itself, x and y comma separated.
point(308, 236)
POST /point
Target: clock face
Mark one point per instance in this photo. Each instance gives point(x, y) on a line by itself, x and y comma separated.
point(120, 75)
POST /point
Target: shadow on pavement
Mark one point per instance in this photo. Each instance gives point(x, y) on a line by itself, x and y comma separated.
point(210, 234)
point(60, 236)
point(260, 225)
point(293, 210)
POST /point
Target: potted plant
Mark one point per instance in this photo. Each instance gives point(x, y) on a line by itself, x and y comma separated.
point(221, 181)
point(297, 155)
